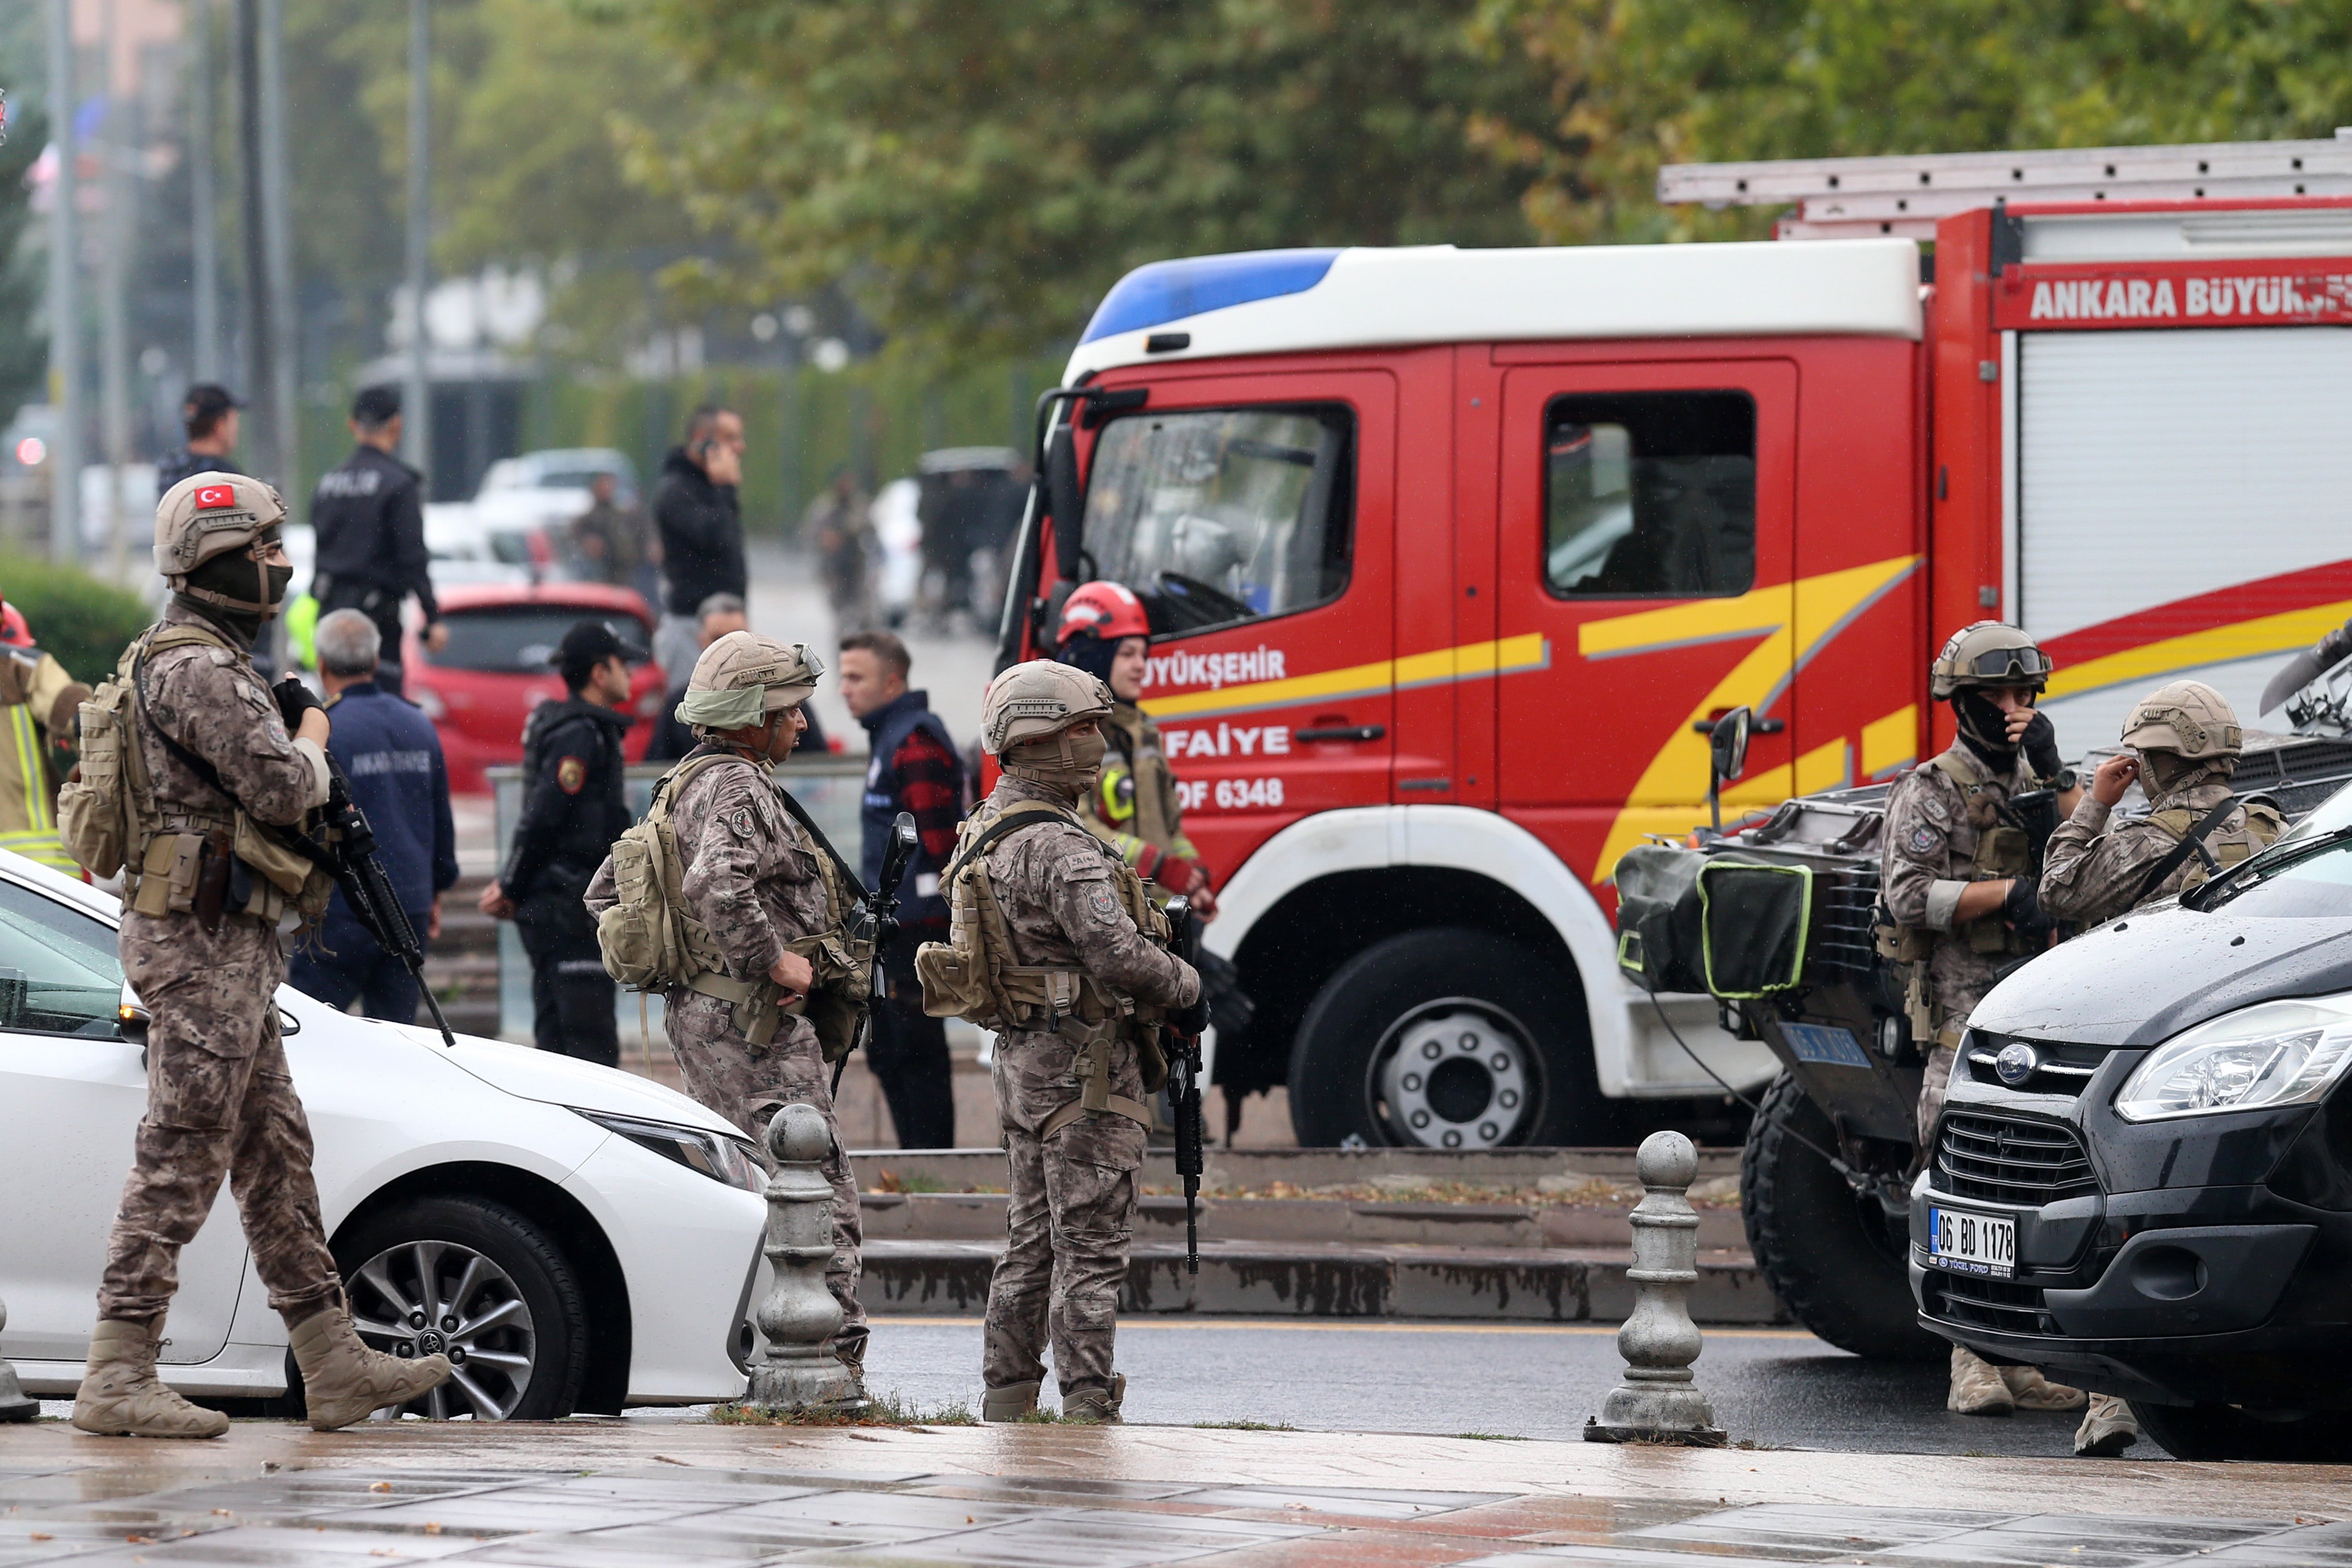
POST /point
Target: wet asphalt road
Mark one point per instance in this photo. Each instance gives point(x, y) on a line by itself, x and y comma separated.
point(1776, 1388)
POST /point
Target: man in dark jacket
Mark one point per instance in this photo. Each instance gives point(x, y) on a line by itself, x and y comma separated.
point(210, 414)
point(389, 751)
point(574, 805)
point(369, 517)
point(701, 528)
point(915, 769)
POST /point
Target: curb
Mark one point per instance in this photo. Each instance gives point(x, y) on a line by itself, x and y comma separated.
point(1513, 1284)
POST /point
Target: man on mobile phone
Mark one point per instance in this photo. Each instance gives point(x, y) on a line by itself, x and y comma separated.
point(702, 525)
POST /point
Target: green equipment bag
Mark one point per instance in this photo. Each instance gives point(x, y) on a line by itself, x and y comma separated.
point(1754, 918)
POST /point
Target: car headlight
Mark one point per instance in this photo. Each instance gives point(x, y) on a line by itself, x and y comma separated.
point(714, 1155)
point(2275, 1053)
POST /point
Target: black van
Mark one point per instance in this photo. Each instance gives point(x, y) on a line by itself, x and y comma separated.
point(2142, 1182)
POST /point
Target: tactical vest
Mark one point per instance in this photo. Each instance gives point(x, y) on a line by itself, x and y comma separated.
point(2002, 851)
point(971, 974)
point(650, 940)
point(111, 820)
point(2229, 847)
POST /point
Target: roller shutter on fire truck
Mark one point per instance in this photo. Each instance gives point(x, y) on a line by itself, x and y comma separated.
point(2166, 480)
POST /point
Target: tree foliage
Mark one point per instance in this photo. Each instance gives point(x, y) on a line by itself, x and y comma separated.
point(979, 175)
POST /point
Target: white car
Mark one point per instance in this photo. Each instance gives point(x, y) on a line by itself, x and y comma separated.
point(575, 1237)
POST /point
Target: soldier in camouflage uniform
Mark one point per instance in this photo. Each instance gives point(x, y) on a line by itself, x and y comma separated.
point(755, 877)
point(207, 962)
point(1954, 884)
point(2188, 741)
point(1070, 1074)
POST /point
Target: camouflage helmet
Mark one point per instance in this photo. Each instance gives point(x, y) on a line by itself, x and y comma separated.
point(1039, 697)
point(2188, 717)
point(212, 514)
point(743, 677)
point(1987, 654)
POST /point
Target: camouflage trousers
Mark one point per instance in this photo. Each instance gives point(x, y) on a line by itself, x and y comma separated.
point(1070, 1219)
point(220, 1103)
point(1932, 1090)
point(748, 1084)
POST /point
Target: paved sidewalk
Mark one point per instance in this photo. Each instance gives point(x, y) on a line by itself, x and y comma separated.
point(586, 1493)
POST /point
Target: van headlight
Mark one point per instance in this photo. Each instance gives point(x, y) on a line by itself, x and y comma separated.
point(720, 1158)
point(2275, 1053)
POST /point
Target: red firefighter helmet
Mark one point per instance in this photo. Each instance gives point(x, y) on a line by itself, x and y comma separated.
point(1107, 610)
point(13, 629)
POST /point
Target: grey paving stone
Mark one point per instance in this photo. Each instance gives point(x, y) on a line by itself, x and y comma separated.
point(1360, 1502)
point(1070, 1539)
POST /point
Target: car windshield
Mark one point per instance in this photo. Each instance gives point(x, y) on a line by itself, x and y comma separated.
point(2307, 872)
point(58, 970)
point(516, 639)
point(1222, 515)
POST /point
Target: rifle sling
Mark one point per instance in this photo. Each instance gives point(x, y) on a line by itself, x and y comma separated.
point(2191, 843)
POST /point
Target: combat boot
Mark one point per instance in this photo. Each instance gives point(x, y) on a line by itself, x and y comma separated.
point(2108, 1427)
point(120, 1395)
point(1011, 1403)
point(1096, 1405)
point(343, 1381)
point(2031, 1391)
point(1978, 1387)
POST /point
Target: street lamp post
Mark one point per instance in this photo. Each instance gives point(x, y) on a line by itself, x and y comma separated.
point(65, 296)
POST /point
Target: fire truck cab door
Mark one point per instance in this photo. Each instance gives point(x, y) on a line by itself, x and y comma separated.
point(1647, 542)
point(1253, 514)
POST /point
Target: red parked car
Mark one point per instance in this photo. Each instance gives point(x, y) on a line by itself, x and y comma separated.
point(493, 671)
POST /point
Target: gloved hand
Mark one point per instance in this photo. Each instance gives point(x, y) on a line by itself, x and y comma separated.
point(2022, 908)
point(294, 700)
point(1192, 1020)
point(2040, 744)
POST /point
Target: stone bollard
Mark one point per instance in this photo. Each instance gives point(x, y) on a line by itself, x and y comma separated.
point(800, 1315)
point(13, 1404)
point(1658, 1402)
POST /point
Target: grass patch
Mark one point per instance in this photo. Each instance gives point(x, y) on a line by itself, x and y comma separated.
point(1491, 1436)
point(1244, 1427)
point(890, 1181)
point(893, 1409)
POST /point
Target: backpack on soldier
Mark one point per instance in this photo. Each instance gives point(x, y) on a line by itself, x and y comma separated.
point(648, 940)
point(963, 977)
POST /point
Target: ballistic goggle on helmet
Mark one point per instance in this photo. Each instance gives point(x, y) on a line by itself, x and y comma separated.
point(1989, 654)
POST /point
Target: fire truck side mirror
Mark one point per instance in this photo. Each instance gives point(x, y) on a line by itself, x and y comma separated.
point(1727, 744)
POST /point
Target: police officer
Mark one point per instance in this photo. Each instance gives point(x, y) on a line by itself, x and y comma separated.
point(1084, 980)
point(1133, 806)
point(1954, 883)
point(575, 804)
point(369, 518)
point(209, 413)
point(2188, 741)
point(200, 945)
point(758, 877)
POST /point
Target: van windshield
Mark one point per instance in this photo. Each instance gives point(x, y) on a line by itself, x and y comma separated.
point(1218, 516)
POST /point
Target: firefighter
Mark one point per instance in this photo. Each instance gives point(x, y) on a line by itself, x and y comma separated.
point(41, 701)
point(1956, 888)
point(1133, 806)
point(2186, 742)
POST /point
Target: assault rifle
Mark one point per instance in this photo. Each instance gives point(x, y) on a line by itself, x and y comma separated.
point(1184, 1084)
point(347, 854)
point(904, 841)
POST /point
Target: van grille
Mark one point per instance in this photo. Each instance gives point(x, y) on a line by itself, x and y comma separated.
point(2002, 1305)
point(1842, 942)
point(2005, 1161)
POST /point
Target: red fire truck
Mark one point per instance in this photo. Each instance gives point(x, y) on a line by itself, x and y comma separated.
point(1452, 557)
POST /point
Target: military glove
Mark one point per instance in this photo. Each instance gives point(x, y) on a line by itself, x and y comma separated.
point(2022, 907)
point(2040, 744)
point(1192, 1020)
point(294, 700)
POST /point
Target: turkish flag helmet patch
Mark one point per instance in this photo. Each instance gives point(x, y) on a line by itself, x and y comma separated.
point(210, 497)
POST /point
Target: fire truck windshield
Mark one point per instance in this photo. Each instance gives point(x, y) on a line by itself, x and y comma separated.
point(1216, 516)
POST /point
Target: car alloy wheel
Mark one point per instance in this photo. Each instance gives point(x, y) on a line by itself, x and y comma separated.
point(1455, 1073)
point(441, 1298)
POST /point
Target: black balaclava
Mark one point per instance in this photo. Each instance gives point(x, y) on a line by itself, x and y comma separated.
point(1092, 654)
point(1985, 727)
point(233, 575)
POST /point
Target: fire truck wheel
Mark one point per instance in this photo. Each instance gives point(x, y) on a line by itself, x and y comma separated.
point(1444, 1039)
point(1808, 1232)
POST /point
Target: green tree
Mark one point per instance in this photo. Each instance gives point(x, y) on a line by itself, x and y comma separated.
point(976, 175)
point(1637, 83)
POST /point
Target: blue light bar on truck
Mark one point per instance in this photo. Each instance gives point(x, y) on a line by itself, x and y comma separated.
point(1171, 291)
